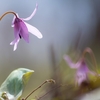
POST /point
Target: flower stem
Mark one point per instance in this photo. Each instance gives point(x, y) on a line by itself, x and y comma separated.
point(50, 91)
point(88, 50)
point(9, 12)
point(47, 81)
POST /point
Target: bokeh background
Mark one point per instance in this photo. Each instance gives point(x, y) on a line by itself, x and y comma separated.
point(65, 25)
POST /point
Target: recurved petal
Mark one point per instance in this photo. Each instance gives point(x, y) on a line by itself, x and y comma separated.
point(70, 63)
point(34, 30)
point(33, 13)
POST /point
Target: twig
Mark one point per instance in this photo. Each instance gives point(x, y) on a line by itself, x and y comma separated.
point(47, 81)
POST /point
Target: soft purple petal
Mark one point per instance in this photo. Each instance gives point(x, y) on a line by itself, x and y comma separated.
point(21, 29)
point(24, 31)
point(34, 30)
point(17, 27)
point(14, 20)
point(16, 34)
point(28, 18)
point(15, 43)
point(83, 68)
point(81, 77)
point(82, 72)
point(70, 63)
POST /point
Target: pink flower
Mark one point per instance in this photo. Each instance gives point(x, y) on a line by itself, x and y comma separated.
point(22, 28)
point(82, 69)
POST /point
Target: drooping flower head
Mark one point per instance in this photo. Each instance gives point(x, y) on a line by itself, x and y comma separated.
point(22, 28)
point(82, 69)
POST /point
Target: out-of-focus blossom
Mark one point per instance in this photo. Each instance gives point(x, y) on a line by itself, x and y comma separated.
point(82, 70)
point(22, 28)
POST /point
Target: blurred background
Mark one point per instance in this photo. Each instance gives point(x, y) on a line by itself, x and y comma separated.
point(66, 25)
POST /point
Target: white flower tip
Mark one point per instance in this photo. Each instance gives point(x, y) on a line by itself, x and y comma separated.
point(12, 25)
point(11, 43)
point(40, 36)
point(15, 47)
point(15, 43)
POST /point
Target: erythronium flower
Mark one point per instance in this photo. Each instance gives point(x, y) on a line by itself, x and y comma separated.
point(22, 28)
point(82, 70)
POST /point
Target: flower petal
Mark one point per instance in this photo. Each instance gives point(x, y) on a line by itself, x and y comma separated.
point(81, 77)
point(24, 31)
point(16, 33)
point(17, 27)
point(13, 42)
point(20, 28)
point(14, 20)
point(70, 63)
point(34, 30)
point(28, 18)
point(15, 45)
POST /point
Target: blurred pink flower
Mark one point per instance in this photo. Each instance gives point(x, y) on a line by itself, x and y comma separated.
point(82, 70)
point(22, 28)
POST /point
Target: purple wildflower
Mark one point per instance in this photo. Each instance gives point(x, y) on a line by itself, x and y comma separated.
point(22, 28)
point(82, 69)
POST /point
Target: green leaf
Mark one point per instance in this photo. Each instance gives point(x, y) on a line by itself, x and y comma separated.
point(14, 84)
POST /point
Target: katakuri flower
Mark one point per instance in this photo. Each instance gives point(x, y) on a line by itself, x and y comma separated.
point(21, 29)
point(82, 70)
